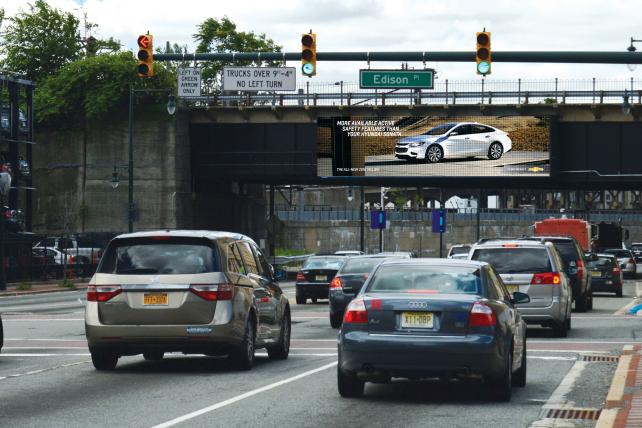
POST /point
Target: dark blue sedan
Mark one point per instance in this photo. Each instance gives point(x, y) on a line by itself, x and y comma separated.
point(429, 318)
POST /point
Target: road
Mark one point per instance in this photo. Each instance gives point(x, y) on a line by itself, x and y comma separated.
point(46, 378)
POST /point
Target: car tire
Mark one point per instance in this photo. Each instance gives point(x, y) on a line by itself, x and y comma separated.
point(519, 377)
point(153, 355)
point(335, 321)
point(568, 323)
point(349, 387)
point(589, 301)
point(282, 349)
point(581, 303)
point(434, 154)
point(1, 335)
point(314, 300)
point(618, 292)
point(300, 300)
point(501, 388)
point(244, 355)
point(560, 329)
point(495, 151)
point(104, 360)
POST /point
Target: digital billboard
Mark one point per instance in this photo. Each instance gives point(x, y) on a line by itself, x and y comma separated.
point(464, 146)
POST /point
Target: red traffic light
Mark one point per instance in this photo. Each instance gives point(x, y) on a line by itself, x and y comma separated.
point(307, 40)
point(144, 41)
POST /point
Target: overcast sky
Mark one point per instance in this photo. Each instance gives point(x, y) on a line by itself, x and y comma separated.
point(393, 25)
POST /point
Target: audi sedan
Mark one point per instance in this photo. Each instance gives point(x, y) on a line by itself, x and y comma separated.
point(431, 318)
point(455, 140)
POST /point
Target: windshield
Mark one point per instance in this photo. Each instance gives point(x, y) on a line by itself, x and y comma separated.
point(439, 130)
point(323, 263)
point(426, 279)
point(361, 266)
point(515, 260)
point(146, 256)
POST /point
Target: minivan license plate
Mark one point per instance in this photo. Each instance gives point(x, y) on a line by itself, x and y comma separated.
point(416, 320)
point(155, 299)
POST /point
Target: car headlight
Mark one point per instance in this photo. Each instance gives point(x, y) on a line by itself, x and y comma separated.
point(417, 144)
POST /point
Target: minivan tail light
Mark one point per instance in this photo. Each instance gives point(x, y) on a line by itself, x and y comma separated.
point(356, 313)
point(213, 292)
point(300, 276)
point(482, 315)
point(580, 268)
point(102, 293)
point(336, 283)
point(546, 278)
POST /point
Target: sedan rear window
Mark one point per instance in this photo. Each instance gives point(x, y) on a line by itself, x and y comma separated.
point(169, 256)
point(515, 260)
point(324, 263)
point(361, 266)
point(425, 279)
point(602, 262)
point(619, 253)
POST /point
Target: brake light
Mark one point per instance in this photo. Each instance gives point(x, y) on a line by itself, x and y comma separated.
point(102, 293)
point(213, 292)
point(336, 283)
point(482, 315)
point(356, 313)
point(300, 276)
point(160, 238)
point(510, 245)
point(580, 268)
point(616, 270)
point(546, 278)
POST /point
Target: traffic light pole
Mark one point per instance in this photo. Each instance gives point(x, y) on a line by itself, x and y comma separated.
point(564, 57)
point(130, 164)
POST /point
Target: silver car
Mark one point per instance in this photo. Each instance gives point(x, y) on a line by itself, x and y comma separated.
point(197, 292)
point(626, 259)
point(534, 268)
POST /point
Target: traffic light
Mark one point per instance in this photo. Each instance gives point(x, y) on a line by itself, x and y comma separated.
point(483, 55)
point(309, 54)
point(145, 56)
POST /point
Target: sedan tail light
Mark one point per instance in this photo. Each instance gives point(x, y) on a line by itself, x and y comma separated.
point(482, 315)
point(546, 278)
point(356, 313)
point(213, 292)
point(336, 283)
point(300, 276)
point(102, 293)
point(616, 270)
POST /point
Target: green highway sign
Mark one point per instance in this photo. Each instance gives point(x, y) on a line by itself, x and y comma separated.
point(397, 79)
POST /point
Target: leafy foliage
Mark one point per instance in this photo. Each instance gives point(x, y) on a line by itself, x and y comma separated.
point(39, 42)
point(222, 36)
point(91, 87)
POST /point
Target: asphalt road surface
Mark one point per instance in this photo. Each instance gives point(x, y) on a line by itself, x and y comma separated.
point(513, 163)
point(46, 378)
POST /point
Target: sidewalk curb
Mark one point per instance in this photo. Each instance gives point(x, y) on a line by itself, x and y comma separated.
point(4, 294)
point(616, 404)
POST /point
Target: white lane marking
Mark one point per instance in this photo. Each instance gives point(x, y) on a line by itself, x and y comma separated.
point(552, 358)
point(242, 396)
point(45, 347)
point(575, 351)
point(43, 355)
point(33, 372)
point(87, 354)
point(558, 398)
point(608, 342)
point(44, 340)
point(316, 340)
point(308, 318)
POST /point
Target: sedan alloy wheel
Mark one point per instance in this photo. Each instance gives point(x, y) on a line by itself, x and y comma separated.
point(434, 154)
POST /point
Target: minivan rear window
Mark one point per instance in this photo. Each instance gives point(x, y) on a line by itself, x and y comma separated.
point(149, 256)
point(515, 260)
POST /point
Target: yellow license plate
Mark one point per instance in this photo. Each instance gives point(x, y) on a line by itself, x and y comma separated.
point(596, 273)
point(512, 288)
point(155, 299)
point(416, 319)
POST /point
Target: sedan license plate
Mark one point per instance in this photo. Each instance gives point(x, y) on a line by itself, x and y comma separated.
point(155, 299)
point(596, 273)
point(416, 320)
point(512, 288)
point(321, 278)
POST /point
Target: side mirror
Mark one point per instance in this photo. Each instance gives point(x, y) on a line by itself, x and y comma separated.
point(272, 275)
point(519, 297)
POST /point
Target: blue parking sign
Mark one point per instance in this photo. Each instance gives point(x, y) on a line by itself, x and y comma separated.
point(378, 219)
point(438, 221)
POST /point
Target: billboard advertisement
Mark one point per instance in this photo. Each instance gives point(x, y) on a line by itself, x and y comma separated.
point(471, 146)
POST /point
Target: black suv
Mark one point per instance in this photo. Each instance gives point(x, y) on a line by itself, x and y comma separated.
point(576, 269)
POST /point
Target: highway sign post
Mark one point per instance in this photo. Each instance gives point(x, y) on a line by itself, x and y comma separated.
point(397, 79)
point(259, 78)
point(189, 82)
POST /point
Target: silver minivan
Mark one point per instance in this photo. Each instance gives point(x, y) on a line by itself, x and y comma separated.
point(185, 291)
point(534, 268)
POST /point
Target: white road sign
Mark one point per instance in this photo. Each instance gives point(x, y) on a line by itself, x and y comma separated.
point(259, 78)
point(189, 82)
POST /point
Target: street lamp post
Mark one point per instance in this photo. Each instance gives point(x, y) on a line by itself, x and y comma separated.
point(171, 109)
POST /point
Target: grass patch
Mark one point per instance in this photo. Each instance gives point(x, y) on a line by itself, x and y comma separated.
point(24, 286)
point(67, 284)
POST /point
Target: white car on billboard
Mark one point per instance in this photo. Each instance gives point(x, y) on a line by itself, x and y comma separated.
point(454, 140)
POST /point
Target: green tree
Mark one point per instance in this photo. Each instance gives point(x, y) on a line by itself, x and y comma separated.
point(38, 42)
point(91, 87)
point(222, 36)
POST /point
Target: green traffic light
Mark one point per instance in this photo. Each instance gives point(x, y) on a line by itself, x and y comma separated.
point(307, 69)
point(483, 67)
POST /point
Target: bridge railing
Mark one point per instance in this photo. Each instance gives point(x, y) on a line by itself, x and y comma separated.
point(484, 91)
